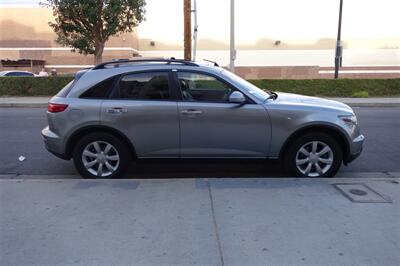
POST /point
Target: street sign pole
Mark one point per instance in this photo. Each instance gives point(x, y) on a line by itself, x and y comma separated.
point(195, 30)
point(232, 43)
point(339, 44)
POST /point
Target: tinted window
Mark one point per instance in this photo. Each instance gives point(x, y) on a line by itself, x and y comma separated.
point(19, 74)
point(64, 91)
point(203, 88)
point(145, 86)
point(99, 91)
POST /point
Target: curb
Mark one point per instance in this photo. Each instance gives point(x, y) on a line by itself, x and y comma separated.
point(373, 104)
point(372, 176)
point(23, 105)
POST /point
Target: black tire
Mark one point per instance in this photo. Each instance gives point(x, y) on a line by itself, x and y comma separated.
point(294, 147)
point(120, 147)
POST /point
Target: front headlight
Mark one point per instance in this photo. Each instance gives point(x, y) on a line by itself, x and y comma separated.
point(350, 120)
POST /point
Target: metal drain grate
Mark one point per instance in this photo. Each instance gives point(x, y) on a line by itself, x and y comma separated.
point(358, 192)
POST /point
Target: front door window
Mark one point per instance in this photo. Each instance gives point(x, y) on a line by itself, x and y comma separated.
point(203, 88)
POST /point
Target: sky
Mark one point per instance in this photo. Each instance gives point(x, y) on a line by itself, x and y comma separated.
point(278, 19)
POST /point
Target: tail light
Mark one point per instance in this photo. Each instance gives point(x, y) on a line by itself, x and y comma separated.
point(56, 107)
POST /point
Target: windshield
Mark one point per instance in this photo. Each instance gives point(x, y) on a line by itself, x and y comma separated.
point(247, 86)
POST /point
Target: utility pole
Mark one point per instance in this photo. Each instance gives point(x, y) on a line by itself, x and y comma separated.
point(187, 17)
point(232, 45)
point(339, 44)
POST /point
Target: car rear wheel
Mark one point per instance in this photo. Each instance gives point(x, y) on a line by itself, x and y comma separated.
point(314, 155)
point(100, 155)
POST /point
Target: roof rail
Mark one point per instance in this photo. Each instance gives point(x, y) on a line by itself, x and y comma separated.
point(125, 61)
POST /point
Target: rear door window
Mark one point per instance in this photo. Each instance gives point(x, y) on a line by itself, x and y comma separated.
point(145, 86)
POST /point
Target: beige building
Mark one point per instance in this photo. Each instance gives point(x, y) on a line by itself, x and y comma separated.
point(25, 34)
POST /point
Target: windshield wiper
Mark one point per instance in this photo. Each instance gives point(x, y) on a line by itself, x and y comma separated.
point(272, 95)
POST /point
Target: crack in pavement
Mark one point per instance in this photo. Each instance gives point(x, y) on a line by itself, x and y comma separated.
point(215, 223)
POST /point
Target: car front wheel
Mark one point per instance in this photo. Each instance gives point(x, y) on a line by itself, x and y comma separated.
point(314, 155)
point(100, 155)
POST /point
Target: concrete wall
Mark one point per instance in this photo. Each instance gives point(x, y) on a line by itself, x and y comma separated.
point(284, 72)
point(316, 72)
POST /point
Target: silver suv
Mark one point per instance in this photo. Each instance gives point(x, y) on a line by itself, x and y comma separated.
point(136, 109)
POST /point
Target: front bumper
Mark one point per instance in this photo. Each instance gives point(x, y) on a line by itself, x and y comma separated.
point(356, 148)
point(54, 143)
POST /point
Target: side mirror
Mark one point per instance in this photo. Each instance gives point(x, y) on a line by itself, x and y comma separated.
point(237, 97)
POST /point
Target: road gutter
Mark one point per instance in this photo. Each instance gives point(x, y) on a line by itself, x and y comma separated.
point(340, 176)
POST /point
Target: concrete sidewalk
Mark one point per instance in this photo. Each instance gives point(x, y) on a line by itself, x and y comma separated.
point(41, 102)
point(257, 221)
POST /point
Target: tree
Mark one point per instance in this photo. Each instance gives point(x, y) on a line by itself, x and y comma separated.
point(86, 25)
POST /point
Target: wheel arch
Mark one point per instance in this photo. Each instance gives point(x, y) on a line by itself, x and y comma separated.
point(327, 129)
point(78, 134)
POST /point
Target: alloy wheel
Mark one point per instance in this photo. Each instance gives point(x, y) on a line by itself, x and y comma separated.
point(314, 158)
point(100, 158)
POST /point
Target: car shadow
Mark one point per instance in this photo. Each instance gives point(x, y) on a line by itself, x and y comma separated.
point(205, 169)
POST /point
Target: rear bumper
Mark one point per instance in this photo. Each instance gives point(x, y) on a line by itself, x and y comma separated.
point(54, 143)
point(356, 148)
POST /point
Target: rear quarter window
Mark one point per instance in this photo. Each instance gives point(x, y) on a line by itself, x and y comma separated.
point(99, 91)
point(67, 88)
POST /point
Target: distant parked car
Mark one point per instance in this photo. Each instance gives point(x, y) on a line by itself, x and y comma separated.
point(146, 109)
point(16, 73)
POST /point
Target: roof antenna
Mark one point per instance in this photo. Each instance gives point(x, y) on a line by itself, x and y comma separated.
point(215, 63)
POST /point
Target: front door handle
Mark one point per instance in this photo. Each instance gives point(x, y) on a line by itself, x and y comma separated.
point(191, 112)
point(117, 110)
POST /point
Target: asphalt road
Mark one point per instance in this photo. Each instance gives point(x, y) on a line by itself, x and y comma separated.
point(20, 135)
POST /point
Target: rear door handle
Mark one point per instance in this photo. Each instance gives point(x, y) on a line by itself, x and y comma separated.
point(191, 112)
point(117, 110)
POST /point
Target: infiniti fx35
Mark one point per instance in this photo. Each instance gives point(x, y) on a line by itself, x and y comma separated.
point(120, 111)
